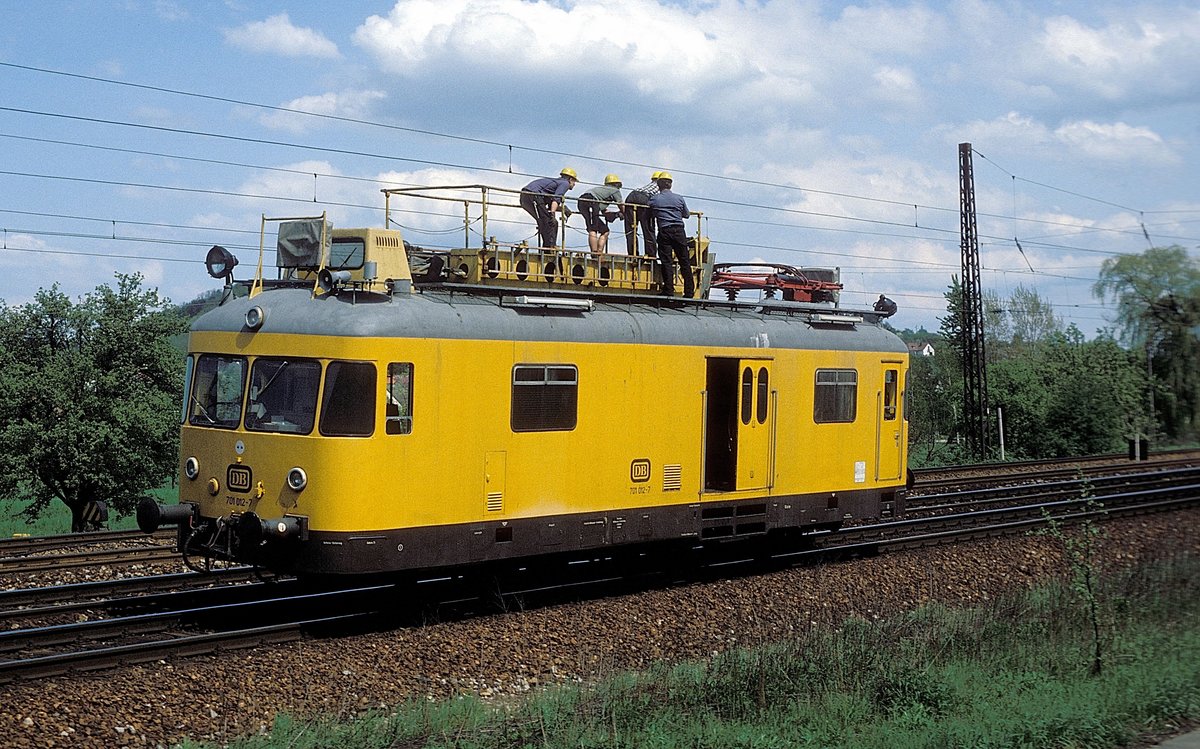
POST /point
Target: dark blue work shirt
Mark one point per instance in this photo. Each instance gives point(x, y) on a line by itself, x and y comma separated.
point(550, 186)
point(669, 208)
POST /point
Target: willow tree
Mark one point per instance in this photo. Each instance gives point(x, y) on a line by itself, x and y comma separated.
point(1157, 296)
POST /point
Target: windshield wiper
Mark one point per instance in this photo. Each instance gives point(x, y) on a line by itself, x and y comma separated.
point(203, 410)
point(271, 381)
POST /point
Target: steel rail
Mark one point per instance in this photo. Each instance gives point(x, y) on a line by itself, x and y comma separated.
point(1097, 486)
point(99, 590)
point(160, 622)
point(1155, 456)
point(22, 544)
point(212, 594)
point(1029, 473)
point(88, 558)
point(188, 645)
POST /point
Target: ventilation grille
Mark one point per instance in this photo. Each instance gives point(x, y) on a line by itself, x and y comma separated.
point(672, 478)
point(386, 241)
point(495, 502)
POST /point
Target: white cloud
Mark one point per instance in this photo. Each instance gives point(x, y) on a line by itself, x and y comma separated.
point(897, 85)
point(656, 63)
point(277, 35)
point(660, 50)
point(298, 183)
point(1127, 57)
point(169, 10)
point(352, 104)
point(1114, 143)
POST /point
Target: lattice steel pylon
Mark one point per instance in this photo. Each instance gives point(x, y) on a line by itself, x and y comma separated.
point(975, 402)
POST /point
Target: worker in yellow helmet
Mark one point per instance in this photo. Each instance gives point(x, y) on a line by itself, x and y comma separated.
point(670, 210)
point(637, 213)
point(542, 198)
point(599, 207)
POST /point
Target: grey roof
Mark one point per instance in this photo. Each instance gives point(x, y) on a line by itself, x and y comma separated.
point(442, 313)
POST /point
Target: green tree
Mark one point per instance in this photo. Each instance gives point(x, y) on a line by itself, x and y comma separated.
point(89, 394)
point(1157, 294)
point(1018, 323)
point(1067, 396)
point(952, 324)
point(933, 396)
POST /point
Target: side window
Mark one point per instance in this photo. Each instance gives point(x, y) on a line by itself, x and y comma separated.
point(889, 395)
point(544, 398)
point(835, 397)
point(348, 403)
point(764, 391)
point(216, 397)
point(398, 406)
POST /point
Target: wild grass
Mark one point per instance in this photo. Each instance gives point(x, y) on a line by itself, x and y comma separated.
point(1013, 673)
point(57, 518)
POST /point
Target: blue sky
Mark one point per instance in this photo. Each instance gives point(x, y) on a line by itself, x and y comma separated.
point(809, 133)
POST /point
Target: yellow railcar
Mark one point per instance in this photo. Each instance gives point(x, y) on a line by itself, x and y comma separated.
point(344, 419)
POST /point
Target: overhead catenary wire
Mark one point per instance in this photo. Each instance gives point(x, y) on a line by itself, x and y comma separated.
point(295, 199)
point(1139, 230)
point(508, 146)
point(930, 233)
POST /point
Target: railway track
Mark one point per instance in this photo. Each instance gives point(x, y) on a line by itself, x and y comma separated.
point(147, 628)
point(106, 595)
point(931, 480)
point(1099, 486)
point(21, 545)
point(22, 555)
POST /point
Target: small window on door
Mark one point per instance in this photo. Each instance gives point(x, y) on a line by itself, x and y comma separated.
point(764, 390)
point(747, 393)
point(889, 395)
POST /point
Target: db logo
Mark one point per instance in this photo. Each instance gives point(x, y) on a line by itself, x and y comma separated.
point(639, 471)
point(238, 478)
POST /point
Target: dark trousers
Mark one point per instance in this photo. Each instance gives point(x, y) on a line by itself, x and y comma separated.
point(672, 245)
point(537, 206)
point(593, 217)
point(637, 213)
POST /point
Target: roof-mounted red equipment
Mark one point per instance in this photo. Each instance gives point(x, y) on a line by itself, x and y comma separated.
point(795, 284)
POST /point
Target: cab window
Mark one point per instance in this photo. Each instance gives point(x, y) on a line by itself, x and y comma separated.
point(216, 395)
point(346, 253)
point(348, 404)
point(836, 396)
point(283, 395)
point(398, 408)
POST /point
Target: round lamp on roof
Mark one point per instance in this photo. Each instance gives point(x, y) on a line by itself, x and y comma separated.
point(220, 262)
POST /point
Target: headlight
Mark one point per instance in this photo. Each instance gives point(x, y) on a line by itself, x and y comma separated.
point(297, 479)
point(255, 317)
point(191, 468)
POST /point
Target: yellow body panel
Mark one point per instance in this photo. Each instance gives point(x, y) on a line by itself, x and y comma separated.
point(462, 463)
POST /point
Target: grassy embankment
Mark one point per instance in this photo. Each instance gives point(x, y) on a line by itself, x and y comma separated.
point(1012, 674)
